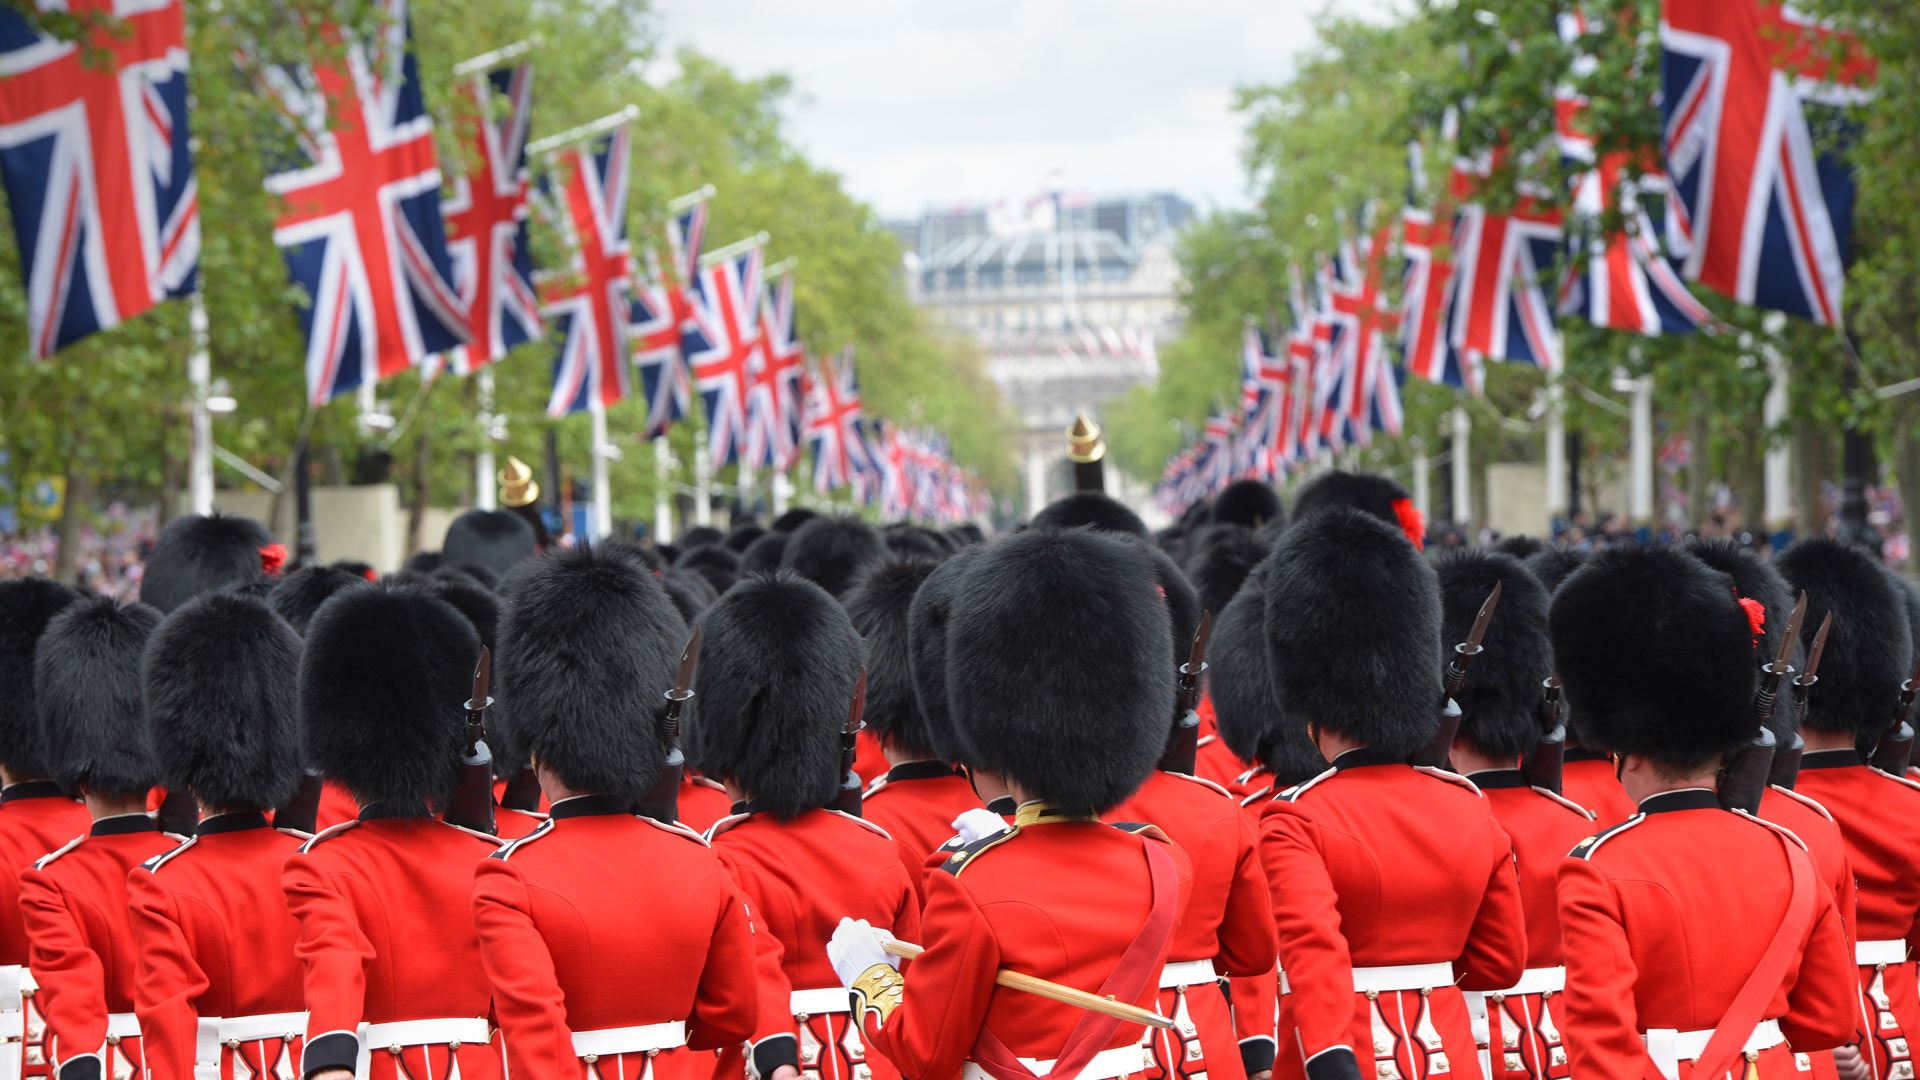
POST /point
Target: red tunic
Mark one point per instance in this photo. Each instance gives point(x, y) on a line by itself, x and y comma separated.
point(1590, 781)
point(216, 940)
point(869, 760)
point(702, 802)
point(1805, 818)
point(1656, 938)
point(1543, 827)
point(385, 936)
point(514, 824)
point(1879, 817)
point(917, 802)
point(1228, 920)
point(1002, 903)
point(75, 905)
point(1376, 863)
point(577, 936)
point(1213, 761)
point(800, 877)
point(337, 806)
point(36, 817)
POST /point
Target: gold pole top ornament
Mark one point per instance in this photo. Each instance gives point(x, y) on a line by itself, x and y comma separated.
point(517, 486)
point(1084, 445)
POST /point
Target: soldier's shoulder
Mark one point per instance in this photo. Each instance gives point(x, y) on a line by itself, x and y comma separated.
point(507, 850)
point(1300, 791)
point(1203, 784)
point(1586, 849)
point(51, 857)
point(1448, 776)
point(153, 865)
point(958, 857)
point(1562, 802)
point(488, 838)
point(863, 823)
point(332, 832)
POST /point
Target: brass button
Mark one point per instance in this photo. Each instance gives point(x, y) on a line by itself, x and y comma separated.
point(590, 1058)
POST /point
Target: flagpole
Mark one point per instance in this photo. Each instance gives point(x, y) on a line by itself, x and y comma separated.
point(1462, 467)
point(738, 247)
point(702, 484)
point(585, 131)
point(1422, 482)
point(743, 492)
point(1779, 461)
point(602, 522)
point(487, 61)
point(1640, 491)
point(1556, 450)
point(662, 490)
point(485, 486)
point(200, 450)
point(782, 488)
point(691, 198)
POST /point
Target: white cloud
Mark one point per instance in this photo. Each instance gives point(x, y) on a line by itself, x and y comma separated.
point(922, 104)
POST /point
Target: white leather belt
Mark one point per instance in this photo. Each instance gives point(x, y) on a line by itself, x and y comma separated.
point(215, 1032)
point(1877, 953)
point(453, 1031)
point(1668, 1048)
point(1549, 980)
point(1106, 1065)
point(1188, 973)
point(829, 999)
point(13, 1026)
point(12, 978)
point(1381, 980)
point(122, 1026)
point(640, 1039)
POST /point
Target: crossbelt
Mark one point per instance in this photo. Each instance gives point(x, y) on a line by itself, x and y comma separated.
point(1547, 980)
point(827, 999)
point(1106, 1065)
point(639, 1039)
point(1668, 1048)
point(452, 1031)
point(215, 1032)
point(1880, 953)
point(1188, 973)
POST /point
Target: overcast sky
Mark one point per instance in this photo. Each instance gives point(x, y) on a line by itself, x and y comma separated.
point(931, 104)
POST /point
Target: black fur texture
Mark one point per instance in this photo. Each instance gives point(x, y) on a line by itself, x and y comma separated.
point(93, 724)
point(200, 554)
point(778, 661)
point(27, 605)
point(1655, 655)
point(1520, 546)
point(1248, 502)
point(1756, 579)
point(878, 605)
point(222, 678)
point(691, 594)
point(1176, 593)
point(1910, 599)
point(927, 620)
point(1059, 653)
point(965, 534)
point(1221, 567)
point(914, 540)
point(495, 539)
point(1554, 565)
point(791, 521)
point(1090, 508)
point(1500, 701)
point(1869, 652)
point(830, 551)
point(764, 555)
point(1240, 685)
point(695, 535)
point(1360, 491)
point(1353, 630)
point(300, 594)
point(422, 562)
point(382, 681)
point(742, 536)
point(588, 650)
point(717, 563)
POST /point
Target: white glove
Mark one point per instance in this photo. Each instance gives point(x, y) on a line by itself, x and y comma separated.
point(978, 824)
point(856, 946)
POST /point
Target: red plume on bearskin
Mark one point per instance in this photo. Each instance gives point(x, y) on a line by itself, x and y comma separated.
point(197, 554)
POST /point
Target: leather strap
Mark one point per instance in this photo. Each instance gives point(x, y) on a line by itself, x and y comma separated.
point(1749, 1006)
point(1138, 966)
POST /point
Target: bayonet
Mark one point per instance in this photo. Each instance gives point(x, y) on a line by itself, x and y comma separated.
point(1183, 741)
point(663, 802)
point(848, 799)
point(1746, 772)
point(1440, 748)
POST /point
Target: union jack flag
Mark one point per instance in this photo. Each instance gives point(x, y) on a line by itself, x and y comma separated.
point(834, 425)
point(592, 304)
point(1755, 210)
point(486, 217)
point(1326, 424)
point(722, 345)
point(686, 237)
point(774, 418)
point(1372, 388)
point(1426, 287)
point(889, 473)
point(1292, 440)
point(1502, 309)
point(94, 158)
point(660, 310)
point(360, 223)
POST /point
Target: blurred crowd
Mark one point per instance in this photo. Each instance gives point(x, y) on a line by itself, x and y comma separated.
point(112, 551)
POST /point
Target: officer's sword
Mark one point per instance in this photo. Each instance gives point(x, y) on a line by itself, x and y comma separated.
point(1053, 991)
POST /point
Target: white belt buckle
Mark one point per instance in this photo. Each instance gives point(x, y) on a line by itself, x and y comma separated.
point(1880, 953)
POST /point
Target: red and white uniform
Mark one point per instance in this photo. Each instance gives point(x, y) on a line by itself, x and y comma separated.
point(1665, 916)
point(1879, 816)
point(1393, 890)
point(74, 901)
point(917, 803)
point(1588, 778)
point(702, 802)
point(1212, 760)
point(1006, 902)
point(514, 824)
point(35, 818)
point(597, 971)
point(1804, 817)
point(1226, 928)
point(800, 877)
point(388, 949)
point(1523, 1036)
point(219, 987)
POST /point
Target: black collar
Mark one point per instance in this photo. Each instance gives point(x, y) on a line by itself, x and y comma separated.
point(395, 808)
point(237, 821)
point(1362, 756)
point(122, 825)
point(1584, 753)
point(1004, 806)
point(1495, 779)
point(1838, 758)
point(32, 789)
point(1694, 798)
point(588, 806)
point(920, 770)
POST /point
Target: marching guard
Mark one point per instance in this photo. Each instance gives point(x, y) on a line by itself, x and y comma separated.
point(1699, 942)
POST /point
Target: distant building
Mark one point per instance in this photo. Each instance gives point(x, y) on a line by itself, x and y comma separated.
point(1070, 298)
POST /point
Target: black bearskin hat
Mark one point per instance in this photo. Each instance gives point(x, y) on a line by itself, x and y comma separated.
point(300, 594)
point(914, 540)
point(1365, 492)
point(964, 534)
point(1240, 685)
point(1656, 655)
point(1500, 700)
point(382, 681)
point(494, 539)
point(718, 564)
point(1221, 567)
point(927, 622)
point(87, 676)
point(778, 661)
point(695, 535)
point(1247, 502)
point(1176, 592)
point(830, 551)
point(878, 604)
point(469, 573)
point(422, 562)
point(197, 554)
point(1064, 650)
point(1090, 508)
point(1353, 630)
point(1868, 652)
point(742, 536)
point(222, 678)
point(764, 555)
point(1910, 598)
point(1756, 579)
point(588, 649)
point(691, 594)
point(1520, 546)
point(1554, 565)
point(26, 607)
point(791, 521)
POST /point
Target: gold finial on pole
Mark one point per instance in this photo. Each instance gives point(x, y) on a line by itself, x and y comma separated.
point(517, 486)
point(1084, 444)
